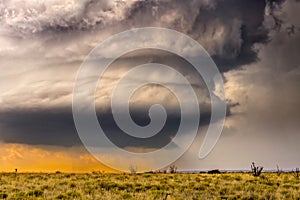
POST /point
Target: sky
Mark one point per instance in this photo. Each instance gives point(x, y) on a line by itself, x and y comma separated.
point(254, 43)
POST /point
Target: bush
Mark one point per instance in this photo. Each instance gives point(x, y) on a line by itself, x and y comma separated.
point(61, 196)
point(72, 185)
point(3, 195)
point(256, 170)
point(36, 193)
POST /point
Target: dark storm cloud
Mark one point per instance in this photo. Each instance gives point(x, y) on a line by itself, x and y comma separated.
point(56, 127)
point(242, 23)
point(140, 117)
point(39, 127)
point(251, 14)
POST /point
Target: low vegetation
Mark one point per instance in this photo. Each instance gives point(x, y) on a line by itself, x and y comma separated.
point(256, 170)
point(98, 185)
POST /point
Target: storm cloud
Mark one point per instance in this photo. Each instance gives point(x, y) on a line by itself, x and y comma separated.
point(255, 45)
point(227, 30)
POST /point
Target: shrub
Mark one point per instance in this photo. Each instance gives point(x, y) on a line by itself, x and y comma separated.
point(72, 185)
point(214, 171)
point(256, 170)
point(36, 193)
point(61, 196)
point(172, 169)
point(3, 195)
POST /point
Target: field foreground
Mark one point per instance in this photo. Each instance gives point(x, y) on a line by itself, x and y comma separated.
point(148, 186)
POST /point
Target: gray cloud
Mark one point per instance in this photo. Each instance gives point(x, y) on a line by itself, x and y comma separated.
point(228, 30)
point(274, 79)
point(264, 126)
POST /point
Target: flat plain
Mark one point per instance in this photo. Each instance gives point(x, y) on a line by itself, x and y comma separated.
point(98, 185)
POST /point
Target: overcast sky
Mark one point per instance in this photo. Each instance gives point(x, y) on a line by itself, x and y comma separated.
point(254, 43)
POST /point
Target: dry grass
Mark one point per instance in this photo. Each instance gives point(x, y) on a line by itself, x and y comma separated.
point(148, 186)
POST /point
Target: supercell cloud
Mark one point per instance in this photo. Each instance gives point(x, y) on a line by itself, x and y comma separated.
point(254, 43)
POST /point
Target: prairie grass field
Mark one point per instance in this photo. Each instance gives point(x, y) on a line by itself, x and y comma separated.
point(148, 186)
